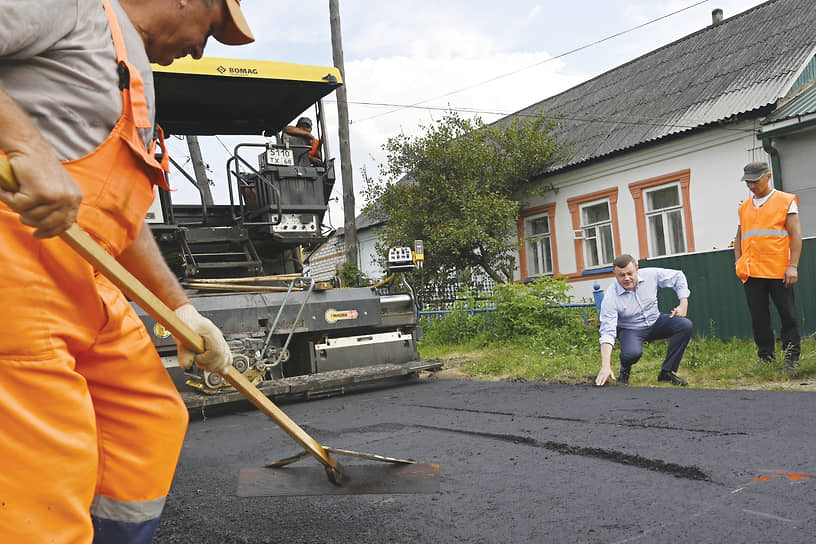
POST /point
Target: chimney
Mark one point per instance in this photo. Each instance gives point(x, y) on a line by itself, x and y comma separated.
point(716, 17)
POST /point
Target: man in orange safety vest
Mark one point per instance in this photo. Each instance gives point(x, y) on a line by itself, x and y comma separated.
point(767, 247)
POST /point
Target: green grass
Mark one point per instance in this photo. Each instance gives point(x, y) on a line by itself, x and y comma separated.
point(570, 357)
point(533, 336)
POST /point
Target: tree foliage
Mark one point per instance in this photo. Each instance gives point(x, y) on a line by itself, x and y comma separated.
point(458, 187)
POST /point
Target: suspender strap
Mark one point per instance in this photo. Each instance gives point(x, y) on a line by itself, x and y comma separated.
point(130, 80)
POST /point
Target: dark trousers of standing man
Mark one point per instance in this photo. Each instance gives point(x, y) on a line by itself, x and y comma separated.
point(677, 329)
point(757, 291)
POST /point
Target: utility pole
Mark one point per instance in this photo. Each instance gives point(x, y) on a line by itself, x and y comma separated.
point(349, 224)
point(200, 170)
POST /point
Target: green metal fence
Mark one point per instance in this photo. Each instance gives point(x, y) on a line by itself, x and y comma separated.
point(717, 304)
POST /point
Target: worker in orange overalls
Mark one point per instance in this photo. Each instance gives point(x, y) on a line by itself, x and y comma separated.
point(767, 248)
point(91, 425)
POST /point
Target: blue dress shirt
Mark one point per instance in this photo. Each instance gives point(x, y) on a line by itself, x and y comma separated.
point(637, 309)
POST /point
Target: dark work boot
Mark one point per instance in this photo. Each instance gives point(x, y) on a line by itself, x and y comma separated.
point(767, 358)
point(623, 375)
point(791, 365)
point(791, 358)
point(671, 377)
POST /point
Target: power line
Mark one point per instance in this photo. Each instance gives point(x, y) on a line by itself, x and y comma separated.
point(571, 51)
point(644, 121)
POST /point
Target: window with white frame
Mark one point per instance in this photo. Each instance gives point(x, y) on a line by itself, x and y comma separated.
point(664, 219)
point(539, 245)
point(596, 227)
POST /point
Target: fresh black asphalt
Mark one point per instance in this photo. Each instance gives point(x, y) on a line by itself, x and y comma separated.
point(520, 463)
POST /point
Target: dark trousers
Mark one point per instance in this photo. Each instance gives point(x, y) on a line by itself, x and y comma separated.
point(757, 291)
point(677, 329)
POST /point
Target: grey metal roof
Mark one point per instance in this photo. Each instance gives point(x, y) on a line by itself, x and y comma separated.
point(800, 105)
point(740, 67)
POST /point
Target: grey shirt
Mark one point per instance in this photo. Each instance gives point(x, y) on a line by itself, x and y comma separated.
point(58, 62)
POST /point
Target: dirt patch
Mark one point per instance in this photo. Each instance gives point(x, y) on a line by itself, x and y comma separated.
point(794, 384)
point(452, 370)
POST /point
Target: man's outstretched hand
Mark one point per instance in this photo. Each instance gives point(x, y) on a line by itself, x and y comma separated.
point(604, 375)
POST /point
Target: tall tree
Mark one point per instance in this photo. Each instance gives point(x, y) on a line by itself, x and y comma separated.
point(458, 187)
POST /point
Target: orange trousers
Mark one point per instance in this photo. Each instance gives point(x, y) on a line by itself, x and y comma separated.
point(89, 418)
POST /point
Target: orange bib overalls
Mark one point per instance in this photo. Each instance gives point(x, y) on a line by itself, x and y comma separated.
point(91, 424)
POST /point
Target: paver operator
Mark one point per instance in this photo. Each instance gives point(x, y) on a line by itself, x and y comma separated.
point(92, 425)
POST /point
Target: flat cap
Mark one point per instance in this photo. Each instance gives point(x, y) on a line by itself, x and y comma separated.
point(755, 170)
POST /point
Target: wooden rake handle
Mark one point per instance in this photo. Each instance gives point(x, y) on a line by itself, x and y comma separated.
point(100, 259)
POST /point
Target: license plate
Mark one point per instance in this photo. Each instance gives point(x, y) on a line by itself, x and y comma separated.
point(280, 157)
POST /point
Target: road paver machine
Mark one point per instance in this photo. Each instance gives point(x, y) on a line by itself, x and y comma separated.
point(241, 260)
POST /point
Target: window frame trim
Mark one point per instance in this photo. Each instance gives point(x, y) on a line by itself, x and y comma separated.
point(574, 204)
point(683, 178)
point(549, 210)
point(598, 237)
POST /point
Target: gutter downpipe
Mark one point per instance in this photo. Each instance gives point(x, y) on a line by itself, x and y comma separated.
point(776, 166)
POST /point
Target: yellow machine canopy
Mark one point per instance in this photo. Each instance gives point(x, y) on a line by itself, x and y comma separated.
point(226, 96)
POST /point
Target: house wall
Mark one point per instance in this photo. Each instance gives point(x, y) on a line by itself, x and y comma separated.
point(367, 255)
point(327, 259)
point(331, 256)
point(798, 163)
point(711, 161)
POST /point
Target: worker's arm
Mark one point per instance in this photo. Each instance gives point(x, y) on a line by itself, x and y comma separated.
point(794, 228)
point(738, 243)
point(606, 365)
point(144, 260)
point(297, 131)
point(48, 197)
point(315, 156)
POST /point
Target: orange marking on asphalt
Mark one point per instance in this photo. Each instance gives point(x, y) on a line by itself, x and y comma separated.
point(794, 477)
point(762, 479)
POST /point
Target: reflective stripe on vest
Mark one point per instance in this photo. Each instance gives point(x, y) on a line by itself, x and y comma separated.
point(765, 232)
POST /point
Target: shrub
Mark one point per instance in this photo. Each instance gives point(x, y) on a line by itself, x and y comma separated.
point(529, 309)
point(351, 276)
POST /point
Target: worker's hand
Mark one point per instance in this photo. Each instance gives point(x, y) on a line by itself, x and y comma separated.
point(791, 276)
point(681, 309)
point(605, 374)
point(217, 356)
point(47, 198)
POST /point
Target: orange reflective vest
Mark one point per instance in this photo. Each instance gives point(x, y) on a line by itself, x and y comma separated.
point(765, 246)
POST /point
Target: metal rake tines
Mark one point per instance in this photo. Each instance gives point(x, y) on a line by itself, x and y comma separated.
point(337, 451)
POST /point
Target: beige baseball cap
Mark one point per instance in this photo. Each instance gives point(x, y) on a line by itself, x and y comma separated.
point(236, 31)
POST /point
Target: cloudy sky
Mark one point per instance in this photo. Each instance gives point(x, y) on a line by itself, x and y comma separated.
point(490, 57)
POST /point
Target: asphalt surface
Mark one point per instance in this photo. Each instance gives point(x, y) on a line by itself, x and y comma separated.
point(520, 463)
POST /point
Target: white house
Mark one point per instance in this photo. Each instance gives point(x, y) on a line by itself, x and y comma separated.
point(660, 142)
point(789, 136)
point(329, 257)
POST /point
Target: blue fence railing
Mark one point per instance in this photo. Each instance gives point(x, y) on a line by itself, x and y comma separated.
point(440, 314)
point(597, 295)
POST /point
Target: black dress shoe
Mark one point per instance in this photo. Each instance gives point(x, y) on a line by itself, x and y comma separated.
point(623, 375)
point(672, 378)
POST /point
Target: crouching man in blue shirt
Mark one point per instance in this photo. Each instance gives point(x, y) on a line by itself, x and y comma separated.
point(629, 312)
